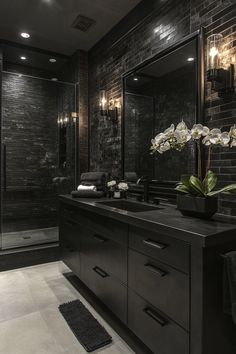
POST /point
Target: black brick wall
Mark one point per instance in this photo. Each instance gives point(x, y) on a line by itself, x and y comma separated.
point(110, 58)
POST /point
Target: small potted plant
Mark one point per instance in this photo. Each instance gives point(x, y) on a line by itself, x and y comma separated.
point(197, 195)
point(116, 189)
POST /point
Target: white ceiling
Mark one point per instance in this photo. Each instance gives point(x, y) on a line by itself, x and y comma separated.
point(49, 22)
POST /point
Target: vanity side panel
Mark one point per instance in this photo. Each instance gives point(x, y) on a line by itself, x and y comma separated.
point(212, 332)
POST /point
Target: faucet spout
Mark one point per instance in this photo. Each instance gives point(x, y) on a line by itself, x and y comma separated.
point(145, 180)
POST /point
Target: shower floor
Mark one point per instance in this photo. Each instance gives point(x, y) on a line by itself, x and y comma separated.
point(29, 237)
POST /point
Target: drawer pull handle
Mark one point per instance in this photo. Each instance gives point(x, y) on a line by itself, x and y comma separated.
point(99, 238)
point(155, 244)
point(100, 272)
point(155, 316)
point(155, 270)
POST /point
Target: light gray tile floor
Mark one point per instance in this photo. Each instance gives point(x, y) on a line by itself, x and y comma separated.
point(30, 322)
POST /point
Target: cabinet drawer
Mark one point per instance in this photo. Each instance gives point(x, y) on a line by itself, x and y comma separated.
point(111, 255)
point(164, 287)
point(159, 333)
point(161, 247)
point(69, 236)
point(107, 287)
point(105, 226)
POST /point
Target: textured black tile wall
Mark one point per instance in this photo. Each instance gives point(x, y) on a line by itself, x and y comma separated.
point(109, 59)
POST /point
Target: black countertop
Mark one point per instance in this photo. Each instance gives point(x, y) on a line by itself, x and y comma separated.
point(166, 219)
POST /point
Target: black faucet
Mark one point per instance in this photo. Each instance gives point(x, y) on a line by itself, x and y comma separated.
point(145, 180)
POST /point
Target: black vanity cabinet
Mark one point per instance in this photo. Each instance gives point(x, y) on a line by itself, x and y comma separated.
point(101, 247)
point(162, 279)
point(70, 244)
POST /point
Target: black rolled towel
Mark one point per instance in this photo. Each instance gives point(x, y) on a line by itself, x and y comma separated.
point(229, 284)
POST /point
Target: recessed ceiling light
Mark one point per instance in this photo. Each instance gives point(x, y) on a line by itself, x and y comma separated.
point(23, 58)
point(25, 35)
point(54, 79)
point(135, 79)
point(190, 59)
point(52, 60)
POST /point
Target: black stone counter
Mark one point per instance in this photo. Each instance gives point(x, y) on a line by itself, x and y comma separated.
point(166, 219)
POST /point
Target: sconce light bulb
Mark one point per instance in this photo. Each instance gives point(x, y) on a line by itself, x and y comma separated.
point(213, 52)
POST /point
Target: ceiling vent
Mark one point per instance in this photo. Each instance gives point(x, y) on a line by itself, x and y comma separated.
point(83, 23)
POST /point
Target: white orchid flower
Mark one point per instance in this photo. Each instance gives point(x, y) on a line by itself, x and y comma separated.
point(163, 147)
point(111, 183)
point(169, 131)
point(205, 131)
point(159, 138)
point(123, 186)
point(232, 132)
point(233, 143)
point(196, 131)
point(182, 136)
point(215, 136)
point(225, 139)
point(182, 126)
point(206, 140)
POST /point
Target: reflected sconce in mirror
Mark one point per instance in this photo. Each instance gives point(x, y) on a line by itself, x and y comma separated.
point(113, 109)
point(103, 103)
point(63, 119)
point(220, 76)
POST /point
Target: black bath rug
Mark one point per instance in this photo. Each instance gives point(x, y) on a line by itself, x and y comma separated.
point(85, 327)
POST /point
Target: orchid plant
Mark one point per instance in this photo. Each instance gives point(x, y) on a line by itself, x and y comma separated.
point(177, 138)
point(120, 186)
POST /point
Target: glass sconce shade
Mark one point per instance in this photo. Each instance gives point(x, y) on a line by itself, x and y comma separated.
point(221, 77)
point(214, 51)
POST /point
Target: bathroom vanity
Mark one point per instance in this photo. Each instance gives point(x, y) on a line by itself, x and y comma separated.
point(160, 273)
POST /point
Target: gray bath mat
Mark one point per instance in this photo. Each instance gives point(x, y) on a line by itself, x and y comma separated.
point(85, 327)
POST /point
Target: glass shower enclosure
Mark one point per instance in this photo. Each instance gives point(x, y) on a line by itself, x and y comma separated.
point(38, 147)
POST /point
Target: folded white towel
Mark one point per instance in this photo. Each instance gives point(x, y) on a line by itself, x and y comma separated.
point(81, 187)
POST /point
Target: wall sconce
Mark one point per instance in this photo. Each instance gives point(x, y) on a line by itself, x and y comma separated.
point(109, 108)
point(222, 80)
point(103, 103)
point(74, 116)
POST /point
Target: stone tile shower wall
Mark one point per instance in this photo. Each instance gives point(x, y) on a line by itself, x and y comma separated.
point(166, 25)
point(30, 133)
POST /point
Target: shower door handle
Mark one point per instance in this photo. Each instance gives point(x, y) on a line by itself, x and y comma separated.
point(4, 148)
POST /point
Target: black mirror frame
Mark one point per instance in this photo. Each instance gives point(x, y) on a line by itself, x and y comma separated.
point(200, 83)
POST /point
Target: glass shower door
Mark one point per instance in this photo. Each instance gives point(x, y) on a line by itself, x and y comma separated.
point(38, 159)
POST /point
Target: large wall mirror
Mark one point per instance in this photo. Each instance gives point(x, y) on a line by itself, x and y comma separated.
point(165, 90)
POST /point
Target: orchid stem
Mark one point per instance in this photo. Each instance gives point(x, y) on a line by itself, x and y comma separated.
point(199, 161)
point(209, 159)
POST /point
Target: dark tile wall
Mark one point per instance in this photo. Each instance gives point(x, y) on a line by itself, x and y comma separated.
point(109, 59)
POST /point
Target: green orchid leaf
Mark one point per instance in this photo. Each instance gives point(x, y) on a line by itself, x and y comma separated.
point(230, 188)
point(182, 188)
point(185, 180)
point(197, 185)
point(209, 182)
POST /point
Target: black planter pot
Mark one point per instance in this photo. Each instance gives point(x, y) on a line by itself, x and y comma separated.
point(197, 207)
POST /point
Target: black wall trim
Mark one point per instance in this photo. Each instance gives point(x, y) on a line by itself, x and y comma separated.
point(35, 49)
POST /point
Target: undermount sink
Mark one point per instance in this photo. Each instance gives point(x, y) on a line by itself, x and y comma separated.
point(128, 205)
